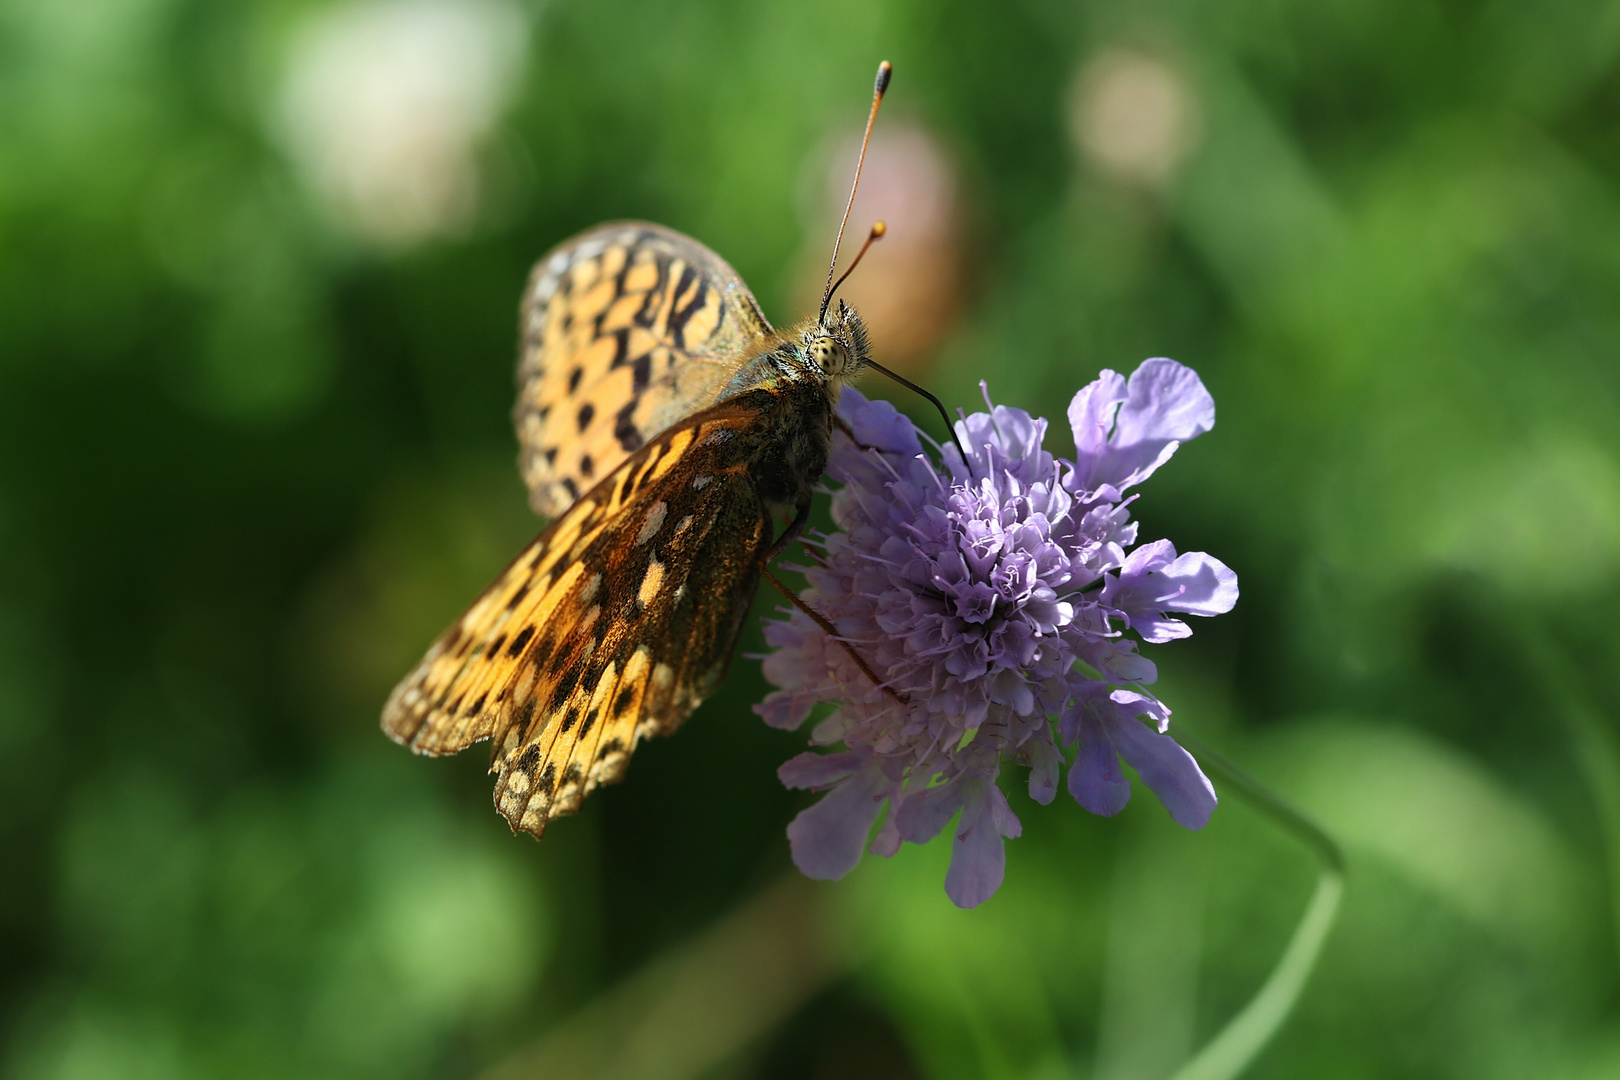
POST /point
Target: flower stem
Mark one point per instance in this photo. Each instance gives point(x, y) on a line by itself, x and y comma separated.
point(1237, 1044)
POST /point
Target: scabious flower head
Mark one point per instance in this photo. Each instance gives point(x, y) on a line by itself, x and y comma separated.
point(992, 598)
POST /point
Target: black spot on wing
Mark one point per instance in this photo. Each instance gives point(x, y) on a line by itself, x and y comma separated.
point(521, 640)
point(622, 700)
point(654, 297)
point(524, 714)
point(566, 684)
point(625, 430)
point(587, 412)
point(679, 319)
point(621, 348)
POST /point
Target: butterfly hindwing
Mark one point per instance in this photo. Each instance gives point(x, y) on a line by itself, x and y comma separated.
point(627, 329)
point(611, 626)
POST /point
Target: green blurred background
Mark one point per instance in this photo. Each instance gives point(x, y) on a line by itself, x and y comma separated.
point(259, 265)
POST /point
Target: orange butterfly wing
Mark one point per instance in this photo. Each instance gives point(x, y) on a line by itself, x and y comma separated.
point(627, 329)
point(612, 626)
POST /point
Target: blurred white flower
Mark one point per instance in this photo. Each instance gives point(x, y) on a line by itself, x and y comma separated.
point(384, 106)
point(1133, 115)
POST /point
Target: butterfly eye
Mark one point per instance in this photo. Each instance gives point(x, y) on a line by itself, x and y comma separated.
point(828, 354)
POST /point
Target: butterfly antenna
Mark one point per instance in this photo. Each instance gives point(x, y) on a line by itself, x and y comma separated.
point(878, 229)
point(885, 70)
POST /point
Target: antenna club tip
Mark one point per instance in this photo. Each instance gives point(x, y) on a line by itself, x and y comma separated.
point(885, 72)
point(878, 229)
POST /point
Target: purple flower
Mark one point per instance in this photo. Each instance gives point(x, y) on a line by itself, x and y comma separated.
point(992, 597)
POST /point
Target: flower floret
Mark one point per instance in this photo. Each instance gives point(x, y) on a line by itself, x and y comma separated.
point(992, 597)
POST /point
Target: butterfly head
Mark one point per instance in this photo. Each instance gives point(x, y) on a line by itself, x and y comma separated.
point(838, 348)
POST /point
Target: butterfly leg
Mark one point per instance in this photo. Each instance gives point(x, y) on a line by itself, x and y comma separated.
point(789, 534)
point(794, 528)
point(842, 425)
point(832, 632)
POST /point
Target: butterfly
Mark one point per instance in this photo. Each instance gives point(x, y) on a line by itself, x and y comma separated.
point(667, 429)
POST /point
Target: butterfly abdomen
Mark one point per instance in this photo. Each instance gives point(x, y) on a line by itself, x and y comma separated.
point(792, 445)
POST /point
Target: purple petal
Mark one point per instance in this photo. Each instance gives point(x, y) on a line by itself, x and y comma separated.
point(1154, 580)
point(878, 424)
point(1096, 779)
point(1018, 434)
point(786, 709)
point(1044, 762)
point(1147, 558)
point(978, 855)
point(826, 839)
point(832, 729)
point(1133, 706)
point(922, 815)
point(1118, 657)
point(1091, 416)
point(813, 770)
point(887, 840)
point(1164, 404)
point(1208, 586)
point(1168, 770)
point(1167, 401)
point(1001, 814)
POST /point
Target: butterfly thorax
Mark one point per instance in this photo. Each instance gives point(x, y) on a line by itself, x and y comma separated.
point(798, 382)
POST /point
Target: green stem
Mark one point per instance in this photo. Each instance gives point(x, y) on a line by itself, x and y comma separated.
point(1237, 1044)
point(1268, 802)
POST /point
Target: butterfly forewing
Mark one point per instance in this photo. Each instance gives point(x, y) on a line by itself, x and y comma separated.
point(626, 330)
point(611, 626)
